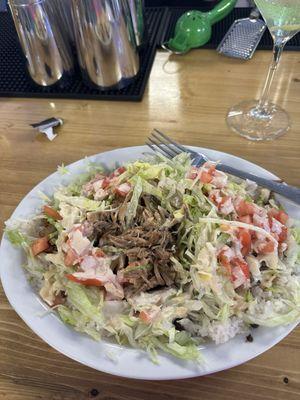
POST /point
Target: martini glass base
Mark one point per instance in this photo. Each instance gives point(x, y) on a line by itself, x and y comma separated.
point(253, 123)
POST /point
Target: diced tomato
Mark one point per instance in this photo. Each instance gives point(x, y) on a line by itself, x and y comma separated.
point(224, 199)
point(268, 247)
point(106, 182)
point(280, 215)
point(247, 219)
point(244, 208)
point(245, 239)
point(119, 171)
point(224, 260)
point(213, 197)
point(70, 258)
point(212, 169)
point(99, 253)
point(85, 282)
point(193, 173)
point(270, 219)
point(226, 207)
point(230, 264)
point(283, 234)
point(145, 317)
point(205, 177)
point(123, 189)
point(242, 265)
point(50, 212)
point(39, 245)
point(218, 198)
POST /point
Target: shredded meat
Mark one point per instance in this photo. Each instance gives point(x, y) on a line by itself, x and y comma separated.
point(45, 228)
point(60, 298)
point(144, 248)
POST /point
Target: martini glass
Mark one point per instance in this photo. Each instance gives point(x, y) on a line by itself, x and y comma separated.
point(261, 119)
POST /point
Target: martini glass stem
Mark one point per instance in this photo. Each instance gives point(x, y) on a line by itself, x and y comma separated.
point(265, 95)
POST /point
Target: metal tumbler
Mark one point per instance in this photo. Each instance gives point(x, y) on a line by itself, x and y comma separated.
point(105, 42)
point(137, 10)
point(63, 13)
point(47, 51)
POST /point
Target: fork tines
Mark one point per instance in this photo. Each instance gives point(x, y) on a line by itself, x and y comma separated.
point(159, 142)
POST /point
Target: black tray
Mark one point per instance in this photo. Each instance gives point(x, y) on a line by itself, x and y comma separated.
point(161, 21)
point(14, 81)
point(219, 29)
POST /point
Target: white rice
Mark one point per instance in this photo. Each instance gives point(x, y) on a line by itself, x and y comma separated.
point(221, 332)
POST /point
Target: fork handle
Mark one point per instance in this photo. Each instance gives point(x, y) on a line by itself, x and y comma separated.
point(290, 192)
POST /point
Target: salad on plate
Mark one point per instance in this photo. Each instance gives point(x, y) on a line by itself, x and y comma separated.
point(160, 255)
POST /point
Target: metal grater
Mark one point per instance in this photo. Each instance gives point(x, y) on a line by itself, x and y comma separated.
point(243, 37)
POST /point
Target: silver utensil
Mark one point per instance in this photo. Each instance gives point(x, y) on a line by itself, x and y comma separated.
point(105, 42)
point(48, 54)
point(243, 37)
point(161, 143)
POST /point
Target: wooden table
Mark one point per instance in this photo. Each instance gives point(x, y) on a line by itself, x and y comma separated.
point(187, 97)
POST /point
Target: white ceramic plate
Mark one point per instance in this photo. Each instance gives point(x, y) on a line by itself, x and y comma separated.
point(128, 362)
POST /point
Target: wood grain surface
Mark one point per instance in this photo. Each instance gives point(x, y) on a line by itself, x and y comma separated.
point(187, 97)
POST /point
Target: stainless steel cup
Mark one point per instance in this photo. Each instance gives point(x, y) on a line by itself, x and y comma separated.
point(63, 13)
point(137, 10)
point(105, 42)
point(47, 51)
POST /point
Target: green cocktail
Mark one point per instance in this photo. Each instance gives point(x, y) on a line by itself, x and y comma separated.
point(282, 17)
point(263, 120)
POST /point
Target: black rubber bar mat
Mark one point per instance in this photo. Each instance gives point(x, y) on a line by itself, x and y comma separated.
point(220, 28)
point(14, 81)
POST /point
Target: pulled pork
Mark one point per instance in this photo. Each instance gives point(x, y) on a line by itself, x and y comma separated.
point(141, 251)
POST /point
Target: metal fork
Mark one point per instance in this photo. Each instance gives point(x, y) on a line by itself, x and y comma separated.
point(161, 143)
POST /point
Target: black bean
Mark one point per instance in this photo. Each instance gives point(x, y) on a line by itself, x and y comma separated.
point(177, 325)
point(254, 326)
point(263, 266)
point(286, 380)
point(249, 338)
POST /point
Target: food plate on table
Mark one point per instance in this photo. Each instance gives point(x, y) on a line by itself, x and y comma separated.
point(177, 269)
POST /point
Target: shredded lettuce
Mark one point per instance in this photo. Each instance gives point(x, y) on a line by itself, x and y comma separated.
point(147, 171)
point(80, 301)
point(296, 234)
point(78, 321)
point(67, 315)
point(276, 319)
point(133, 204)
point(79, 201)
point(62, 170)
point(16, 238)
point(147, 187)
point(184, 352)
